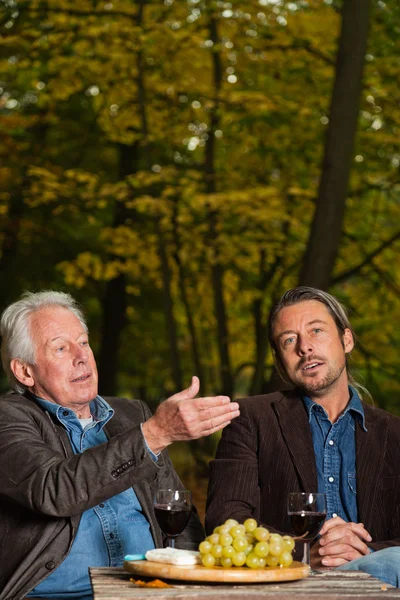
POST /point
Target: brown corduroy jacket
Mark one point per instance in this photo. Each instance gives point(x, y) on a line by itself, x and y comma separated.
point(268, 452)
point(44, 487)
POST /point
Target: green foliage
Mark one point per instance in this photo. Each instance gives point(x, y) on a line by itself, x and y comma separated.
point(86, 84)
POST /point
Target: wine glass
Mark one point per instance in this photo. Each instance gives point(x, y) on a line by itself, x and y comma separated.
point(307, 513)
point(172, 509)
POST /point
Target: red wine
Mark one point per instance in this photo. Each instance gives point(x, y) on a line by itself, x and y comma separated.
point(172, 519)
point(307, 524)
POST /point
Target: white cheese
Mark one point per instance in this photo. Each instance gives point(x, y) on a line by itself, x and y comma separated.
point(174, 556)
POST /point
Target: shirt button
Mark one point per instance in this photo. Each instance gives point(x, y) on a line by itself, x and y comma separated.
point(101, 505)
point(334, 515)
point(331, 442)
point(112, 536)
point(331, 479)
point(65, 413)
point(50, 565)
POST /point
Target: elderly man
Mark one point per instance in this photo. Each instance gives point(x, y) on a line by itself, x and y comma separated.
point(78, 472)
point(319, 437)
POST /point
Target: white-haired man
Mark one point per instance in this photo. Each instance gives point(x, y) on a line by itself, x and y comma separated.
point(78, 472)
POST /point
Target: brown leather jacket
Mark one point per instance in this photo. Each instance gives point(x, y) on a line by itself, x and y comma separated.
point(268, 452)
point(44, 487)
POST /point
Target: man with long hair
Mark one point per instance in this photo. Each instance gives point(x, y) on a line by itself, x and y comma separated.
point(317, 437)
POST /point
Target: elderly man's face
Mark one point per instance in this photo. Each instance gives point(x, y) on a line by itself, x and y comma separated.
point(309, 346)
point(65, 370)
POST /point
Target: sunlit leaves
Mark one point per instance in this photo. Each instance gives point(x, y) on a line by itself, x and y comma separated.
point(83, 83)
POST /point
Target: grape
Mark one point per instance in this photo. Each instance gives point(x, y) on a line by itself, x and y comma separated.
point(288, 543)
point(272, 561)
point(261, 549)
point(240, 544)
point(237, 531)
point(252, 561)
point(225, 539)
point(276, 547)
point(205, 547)
point(239, 559)
point(224, 529)
point(231, 522)
point(216, 550)
point(208, 560)
point(285, 559)
point(213, 538)
point(226, 562)
point(261, 534)
point(248, 549)
point(263, 562)
point(228, 551)
point(250, 525)
point(251, 545)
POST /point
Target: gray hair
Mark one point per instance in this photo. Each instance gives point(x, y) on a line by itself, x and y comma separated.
point(15, 328)
point(336, 310)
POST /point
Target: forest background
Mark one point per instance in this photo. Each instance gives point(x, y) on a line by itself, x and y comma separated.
point(176, 165)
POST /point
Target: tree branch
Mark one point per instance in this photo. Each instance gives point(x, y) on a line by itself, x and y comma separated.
point(367, 260)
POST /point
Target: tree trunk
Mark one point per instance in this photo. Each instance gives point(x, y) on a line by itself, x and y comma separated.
point(9, 247)
point(260, 318)
point(33, 154)
point(199, 371)
point(325, 233)
point(168, 310)
point(260, 328)
point(217, 271)
point(115, 296)
point(115, 301)
point(114, 319)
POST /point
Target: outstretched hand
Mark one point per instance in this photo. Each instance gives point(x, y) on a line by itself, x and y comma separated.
point(184, 417)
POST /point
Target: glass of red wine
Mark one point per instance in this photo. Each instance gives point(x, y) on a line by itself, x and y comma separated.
point(172, 509)
point(307, 513)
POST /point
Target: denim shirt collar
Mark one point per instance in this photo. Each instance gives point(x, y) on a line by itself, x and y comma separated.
point(354, 405)
point(100, 410)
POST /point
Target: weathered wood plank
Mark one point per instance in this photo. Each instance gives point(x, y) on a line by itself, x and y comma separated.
point(113, 584)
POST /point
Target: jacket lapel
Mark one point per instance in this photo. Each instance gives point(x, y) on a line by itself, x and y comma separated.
point(293, 420)
point(370, 455)
point(143, 489)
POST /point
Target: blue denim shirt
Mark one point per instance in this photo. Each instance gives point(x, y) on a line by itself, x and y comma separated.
point(335, 455)
point(107, 531)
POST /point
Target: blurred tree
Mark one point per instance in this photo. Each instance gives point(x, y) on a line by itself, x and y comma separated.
point(161, 160)
point(322, 250)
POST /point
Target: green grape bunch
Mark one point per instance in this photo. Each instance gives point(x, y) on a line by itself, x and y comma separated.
point(246, 545)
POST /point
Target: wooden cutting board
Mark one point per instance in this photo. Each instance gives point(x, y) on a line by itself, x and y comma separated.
point(146, 568)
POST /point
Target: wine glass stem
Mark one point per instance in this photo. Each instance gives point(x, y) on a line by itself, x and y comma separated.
point(171, 542)
point(306, 553)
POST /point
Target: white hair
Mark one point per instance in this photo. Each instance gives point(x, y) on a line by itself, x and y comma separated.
point(15, 328)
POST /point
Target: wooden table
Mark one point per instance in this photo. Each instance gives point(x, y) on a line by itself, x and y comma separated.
point(113, 584)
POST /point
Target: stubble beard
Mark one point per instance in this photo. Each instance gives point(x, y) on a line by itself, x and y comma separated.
point(318, 385)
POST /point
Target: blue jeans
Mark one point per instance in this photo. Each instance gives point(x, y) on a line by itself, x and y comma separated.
point(383, 564)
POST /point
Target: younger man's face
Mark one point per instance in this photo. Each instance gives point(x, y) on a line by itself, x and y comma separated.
point(309, 346)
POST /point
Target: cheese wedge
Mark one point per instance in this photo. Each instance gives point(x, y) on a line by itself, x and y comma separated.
point(174, 556)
